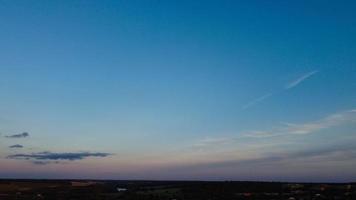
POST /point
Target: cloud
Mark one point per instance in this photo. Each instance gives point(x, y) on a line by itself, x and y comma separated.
point(319, 155)
point(49, 156)
point(279, 150)
point(37, 162)
point(269, 164)
point(289, 86)
point(21, 135)
point(286, 129)
point(210, 141)
point(299, 80)
point(257, 100)
point(308, 127)
point(16, 146)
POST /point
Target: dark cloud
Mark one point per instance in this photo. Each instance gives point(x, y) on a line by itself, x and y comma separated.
point(48, 156)
point(16, 146)
point(37, 162)
point(21, 135)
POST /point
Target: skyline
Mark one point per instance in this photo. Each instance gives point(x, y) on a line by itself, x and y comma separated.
point(178, 90)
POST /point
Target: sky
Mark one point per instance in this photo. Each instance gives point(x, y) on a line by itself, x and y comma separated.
point(178, 90)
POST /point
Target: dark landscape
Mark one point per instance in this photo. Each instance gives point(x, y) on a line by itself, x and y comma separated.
point(170, 190)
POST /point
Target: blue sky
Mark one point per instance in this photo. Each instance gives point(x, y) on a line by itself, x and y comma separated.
point(178, 90)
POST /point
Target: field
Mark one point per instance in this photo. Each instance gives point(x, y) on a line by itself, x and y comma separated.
point(160, 190)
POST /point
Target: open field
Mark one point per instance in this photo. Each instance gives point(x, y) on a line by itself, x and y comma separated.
point(188, 190)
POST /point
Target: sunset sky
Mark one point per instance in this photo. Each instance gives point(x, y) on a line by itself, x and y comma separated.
point(193, 90)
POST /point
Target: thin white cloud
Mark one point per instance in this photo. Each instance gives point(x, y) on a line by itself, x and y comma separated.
point(308, 127)
point(286, 129)
point(260, 143)
point(257, 100)
point(299, 80)
point(289, 86)
point(257, 147)
point(211, 141)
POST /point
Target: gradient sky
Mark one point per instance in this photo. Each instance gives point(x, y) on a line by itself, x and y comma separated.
point(208, 90)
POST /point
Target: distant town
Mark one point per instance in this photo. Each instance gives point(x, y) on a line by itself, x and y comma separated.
point(172, 190)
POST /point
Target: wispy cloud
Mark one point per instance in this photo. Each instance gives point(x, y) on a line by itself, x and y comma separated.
point(317, 155)
point(286, 129)
point(289, 86)
point(21, 135)
point(299, 80)
point(308, 127)
point(16, 146)
point(257, 100)
point(275, 147)
point(49, 156)
point(211, 141)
